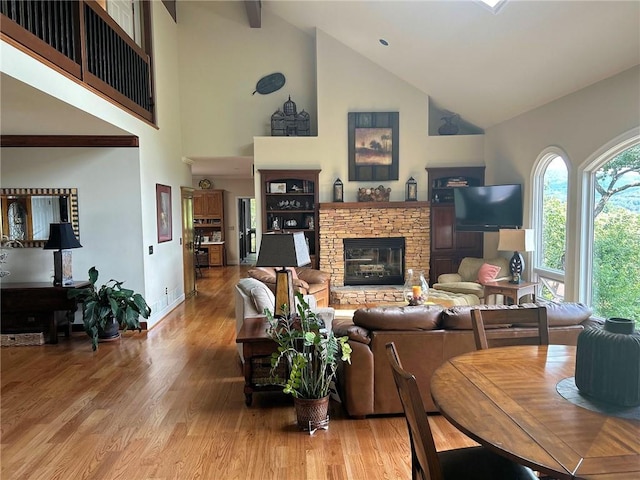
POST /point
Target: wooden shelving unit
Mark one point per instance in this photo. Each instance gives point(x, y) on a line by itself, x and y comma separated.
point(208, 220)
point(290, 204)
point(449, 247)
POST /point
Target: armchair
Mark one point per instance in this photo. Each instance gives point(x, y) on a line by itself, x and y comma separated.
point(307, 281)
point(467, 280)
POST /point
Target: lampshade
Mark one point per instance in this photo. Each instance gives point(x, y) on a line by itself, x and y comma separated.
point(521, 240)
point(61, 237)
point(283, 250)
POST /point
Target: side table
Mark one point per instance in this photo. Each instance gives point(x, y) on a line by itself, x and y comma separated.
point(514, 291)
point(257, 348)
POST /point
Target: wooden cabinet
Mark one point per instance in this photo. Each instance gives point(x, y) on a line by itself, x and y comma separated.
point(290, 204)
point(448, 246)
point(208, 220)
point(208, 203)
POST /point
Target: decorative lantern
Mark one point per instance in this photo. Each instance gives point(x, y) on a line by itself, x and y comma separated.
point(338, 192)
point(412, 190)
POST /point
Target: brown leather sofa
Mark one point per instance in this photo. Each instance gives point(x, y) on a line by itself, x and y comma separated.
point(426, 336)
point(307, 281)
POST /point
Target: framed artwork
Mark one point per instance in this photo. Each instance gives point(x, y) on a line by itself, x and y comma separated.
point(280, 187)
point(163, 212)
point(373, 146)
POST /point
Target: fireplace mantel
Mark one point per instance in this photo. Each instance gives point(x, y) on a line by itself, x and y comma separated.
point(357, 205)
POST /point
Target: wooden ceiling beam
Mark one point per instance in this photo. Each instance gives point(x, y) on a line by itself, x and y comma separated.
point(254, 12)
point(69, 141)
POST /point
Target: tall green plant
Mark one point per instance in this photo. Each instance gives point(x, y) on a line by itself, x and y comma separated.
point(109, 302)
point(309, 351)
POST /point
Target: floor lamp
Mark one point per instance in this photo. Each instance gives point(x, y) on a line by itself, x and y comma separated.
point(283, 250)
point(516, 241)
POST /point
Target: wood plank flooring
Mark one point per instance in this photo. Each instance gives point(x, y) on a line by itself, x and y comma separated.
point(168, 404)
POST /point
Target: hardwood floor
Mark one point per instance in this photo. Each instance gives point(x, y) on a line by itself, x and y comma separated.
point(168, 404)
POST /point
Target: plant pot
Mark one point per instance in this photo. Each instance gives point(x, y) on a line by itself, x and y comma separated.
point(110, 332)
point(312, 413)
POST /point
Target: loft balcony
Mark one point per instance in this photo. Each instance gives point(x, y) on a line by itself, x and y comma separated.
point(80, 39)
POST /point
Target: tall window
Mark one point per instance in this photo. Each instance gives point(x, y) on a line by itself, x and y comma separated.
point(614, 211)
point(550, 223)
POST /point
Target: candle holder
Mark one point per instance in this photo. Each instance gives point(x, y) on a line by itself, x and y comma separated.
point(416, 288)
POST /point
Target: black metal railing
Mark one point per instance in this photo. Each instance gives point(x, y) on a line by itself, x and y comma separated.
point(79, 37)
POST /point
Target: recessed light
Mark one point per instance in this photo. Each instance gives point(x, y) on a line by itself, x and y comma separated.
point(384, 42)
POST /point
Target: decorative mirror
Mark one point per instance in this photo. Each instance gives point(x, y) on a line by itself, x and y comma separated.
point(27, 213)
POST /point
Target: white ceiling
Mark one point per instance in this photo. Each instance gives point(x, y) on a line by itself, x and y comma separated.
point(488, 68)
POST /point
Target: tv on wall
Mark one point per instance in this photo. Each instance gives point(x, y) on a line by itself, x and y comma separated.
point(488, 208)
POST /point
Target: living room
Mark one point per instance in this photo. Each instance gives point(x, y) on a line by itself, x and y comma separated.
point(215, 115)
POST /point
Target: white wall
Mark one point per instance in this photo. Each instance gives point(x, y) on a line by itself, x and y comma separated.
point(110, 180)
point(580, 124)
point(221, 61)
point(347, 82)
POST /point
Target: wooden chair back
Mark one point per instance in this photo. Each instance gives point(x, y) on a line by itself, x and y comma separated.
point(522, 317)
point(425, 463)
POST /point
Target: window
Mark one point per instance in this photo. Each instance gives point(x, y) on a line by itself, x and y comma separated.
point(612, 214)
point(550, 222)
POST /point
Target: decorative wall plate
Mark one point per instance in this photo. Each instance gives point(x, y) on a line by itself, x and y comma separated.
point(205, 184)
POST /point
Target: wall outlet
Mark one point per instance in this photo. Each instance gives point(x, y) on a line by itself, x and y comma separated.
point(166, 291)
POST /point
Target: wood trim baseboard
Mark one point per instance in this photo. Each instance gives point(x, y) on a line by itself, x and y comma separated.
point(69, 141)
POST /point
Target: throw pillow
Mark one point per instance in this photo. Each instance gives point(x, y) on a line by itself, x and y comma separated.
point(263, 298)
point(487, 273)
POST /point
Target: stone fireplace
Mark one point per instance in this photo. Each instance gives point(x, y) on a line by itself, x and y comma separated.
point(366, 220)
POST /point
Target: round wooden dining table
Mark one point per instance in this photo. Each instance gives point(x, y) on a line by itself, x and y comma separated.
point(508, 400)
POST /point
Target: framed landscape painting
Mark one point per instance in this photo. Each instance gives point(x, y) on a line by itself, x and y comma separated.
point(373, 146)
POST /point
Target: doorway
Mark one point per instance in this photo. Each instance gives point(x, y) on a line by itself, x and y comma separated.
point(247, 230)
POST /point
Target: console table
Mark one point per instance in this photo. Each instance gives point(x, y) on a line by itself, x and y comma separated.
point(31, 307)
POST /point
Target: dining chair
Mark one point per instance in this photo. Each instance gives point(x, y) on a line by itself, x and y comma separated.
point(197, 251)
point(469, 463)
point(483, 320)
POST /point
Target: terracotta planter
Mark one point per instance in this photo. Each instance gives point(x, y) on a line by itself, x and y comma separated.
point(312, 413)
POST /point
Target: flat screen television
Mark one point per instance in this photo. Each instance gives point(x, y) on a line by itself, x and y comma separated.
point(488, 208)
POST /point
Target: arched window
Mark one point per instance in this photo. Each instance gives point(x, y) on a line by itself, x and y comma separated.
point(550, 188)
point(611, 251)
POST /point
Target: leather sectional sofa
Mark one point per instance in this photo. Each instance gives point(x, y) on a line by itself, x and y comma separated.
point(426, 336)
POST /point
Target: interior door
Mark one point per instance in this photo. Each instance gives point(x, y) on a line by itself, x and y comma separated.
point(188, 253)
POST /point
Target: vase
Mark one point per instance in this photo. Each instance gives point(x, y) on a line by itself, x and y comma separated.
point(312, 413)
point(608, 362)
point(416, 288)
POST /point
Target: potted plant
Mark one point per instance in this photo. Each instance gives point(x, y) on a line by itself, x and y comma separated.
point(107, 309)
point(311, 355)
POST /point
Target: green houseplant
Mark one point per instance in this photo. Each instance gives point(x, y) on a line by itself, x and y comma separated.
point(311, 355)
point(108, 308)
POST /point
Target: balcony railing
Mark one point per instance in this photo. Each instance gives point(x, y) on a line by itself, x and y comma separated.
point(79, 37)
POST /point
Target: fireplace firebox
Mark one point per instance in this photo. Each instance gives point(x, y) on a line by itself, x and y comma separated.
point(374, 261)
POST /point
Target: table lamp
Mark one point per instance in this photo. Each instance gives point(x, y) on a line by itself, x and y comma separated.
point(516, 241)
point(283, 250)
point(62, 239)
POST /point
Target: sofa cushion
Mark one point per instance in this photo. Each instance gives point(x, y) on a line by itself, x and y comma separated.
point(469, 267)
point(560, 314)
point(487, 273)
point(465, 288)
point(459, 318)
point(421, 317)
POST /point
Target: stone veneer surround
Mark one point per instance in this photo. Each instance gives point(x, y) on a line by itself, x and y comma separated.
point(372, 220)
